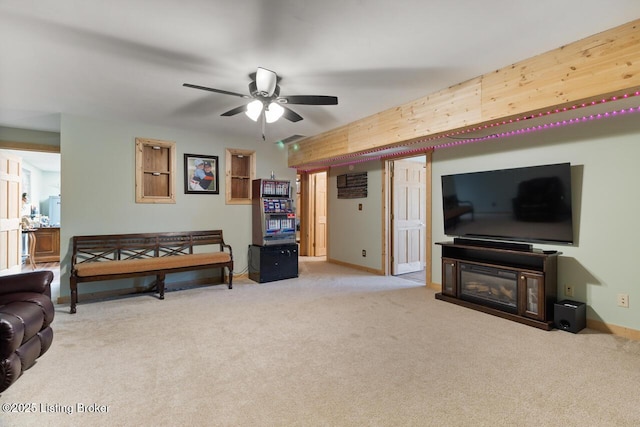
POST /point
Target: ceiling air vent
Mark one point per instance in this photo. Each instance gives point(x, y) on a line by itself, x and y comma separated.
point(290, 139)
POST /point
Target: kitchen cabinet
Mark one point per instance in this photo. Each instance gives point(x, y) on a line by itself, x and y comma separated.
point(47, 244)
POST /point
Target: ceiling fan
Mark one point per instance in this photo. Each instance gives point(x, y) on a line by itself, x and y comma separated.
point(267, 104)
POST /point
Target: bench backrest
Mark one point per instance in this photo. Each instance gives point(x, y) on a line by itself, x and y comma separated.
point(110, 247)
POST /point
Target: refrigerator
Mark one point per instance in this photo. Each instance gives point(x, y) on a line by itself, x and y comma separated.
point(54, 211)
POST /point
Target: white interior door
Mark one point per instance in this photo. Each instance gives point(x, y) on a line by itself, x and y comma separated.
point(409, 216)
point(10, 231)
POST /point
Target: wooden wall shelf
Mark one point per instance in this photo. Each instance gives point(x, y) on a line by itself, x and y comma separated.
point(240, 170)
point(155, 171)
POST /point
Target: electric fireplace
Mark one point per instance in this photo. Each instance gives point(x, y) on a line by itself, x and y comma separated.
point(491, 286)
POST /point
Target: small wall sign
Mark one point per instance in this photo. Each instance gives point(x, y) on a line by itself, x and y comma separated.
point(352, 185)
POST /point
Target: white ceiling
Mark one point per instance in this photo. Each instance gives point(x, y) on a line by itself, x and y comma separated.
point(128, 59)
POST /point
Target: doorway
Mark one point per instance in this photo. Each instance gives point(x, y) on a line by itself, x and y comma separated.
point(312, 212)
point(409, 222)
point(37, 173)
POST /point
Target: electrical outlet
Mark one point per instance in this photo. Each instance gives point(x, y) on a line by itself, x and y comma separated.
point(623, 300)
point(364, 253)
point(568, 290)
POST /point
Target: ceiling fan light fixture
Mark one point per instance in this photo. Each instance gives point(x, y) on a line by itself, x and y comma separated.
point(266, 81)
point(273, 112)
point(254, 108)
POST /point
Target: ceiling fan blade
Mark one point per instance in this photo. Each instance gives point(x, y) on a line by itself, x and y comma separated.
point(291, 115)
point(237, 110)
point(225, 92)
point(309, 100)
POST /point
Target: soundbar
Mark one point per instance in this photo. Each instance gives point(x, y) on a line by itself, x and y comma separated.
point(512, 246)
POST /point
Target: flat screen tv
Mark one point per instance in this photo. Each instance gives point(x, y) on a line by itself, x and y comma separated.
point(527, 204)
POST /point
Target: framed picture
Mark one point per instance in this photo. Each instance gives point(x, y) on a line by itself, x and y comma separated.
point(201, 174)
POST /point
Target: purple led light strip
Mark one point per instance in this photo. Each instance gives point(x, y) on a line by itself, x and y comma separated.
point(540, 127)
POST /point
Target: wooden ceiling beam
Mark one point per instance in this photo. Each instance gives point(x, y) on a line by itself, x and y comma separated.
point(596, 67)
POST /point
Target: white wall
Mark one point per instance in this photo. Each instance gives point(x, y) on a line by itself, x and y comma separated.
point(30, 136)
point(35, 192)
point(350, 230)
point(98, 188)
point(605, 175)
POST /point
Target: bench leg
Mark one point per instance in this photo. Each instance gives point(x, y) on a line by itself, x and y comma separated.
point(73, 286)
point(160, 283)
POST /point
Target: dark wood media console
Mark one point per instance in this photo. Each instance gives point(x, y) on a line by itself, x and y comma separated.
point(519, 285)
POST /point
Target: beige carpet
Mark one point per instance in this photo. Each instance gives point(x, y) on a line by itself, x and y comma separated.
point(336, 347)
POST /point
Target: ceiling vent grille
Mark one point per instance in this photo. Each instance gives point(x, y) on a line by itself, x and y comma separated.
point(290, 139)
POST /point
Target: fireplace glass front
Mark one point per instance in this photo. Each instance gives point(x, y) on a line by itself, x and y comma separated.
point(490, 286)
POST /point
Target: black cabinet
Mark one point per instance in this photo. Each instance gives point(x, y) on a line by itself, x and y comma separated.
point(270, 263)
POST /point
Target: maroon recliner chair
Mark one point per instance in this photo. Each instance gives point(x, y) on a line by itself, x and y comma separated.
point(26, 313)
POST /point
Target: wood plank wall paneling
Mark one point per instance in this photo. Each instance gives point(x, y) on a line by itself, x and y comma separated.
point(322, 146)
point(598, 66)
point(451, 108)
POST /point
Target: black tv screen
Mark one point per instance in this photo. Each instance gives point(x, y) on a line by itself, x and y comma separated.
point(527, 204)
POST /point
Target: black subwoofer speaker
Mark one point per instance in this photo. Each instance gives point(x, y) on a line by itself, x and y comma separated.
point(570, 316)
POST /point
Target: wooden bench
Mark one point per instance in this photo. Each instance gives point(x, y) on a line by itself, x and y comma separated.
point(119, 256)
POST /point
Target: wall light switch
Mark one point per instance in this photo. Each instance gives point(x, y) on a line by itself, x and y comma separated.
point(359, 206)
